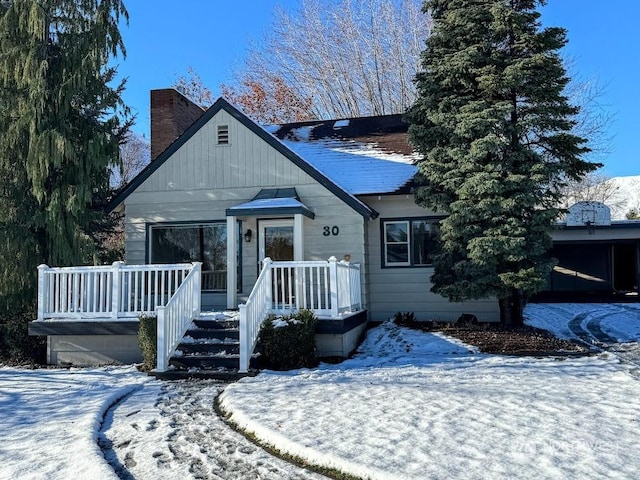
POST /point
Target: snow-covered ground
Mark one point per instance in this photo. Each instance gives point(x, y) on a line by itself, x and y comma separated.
point(50, 420)
point(415, 405)
point(409, 405)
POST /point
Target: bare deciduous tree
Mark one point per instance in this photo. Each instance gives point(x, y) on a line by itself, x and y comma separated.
point(191, 86)
point(594, 117)
point(351, 58)
point(269, 104)
point(135, 154)
point(596, 187)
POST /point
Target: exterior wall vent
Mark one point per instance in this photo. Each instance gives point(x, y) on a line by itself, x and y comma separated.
point(223, 134)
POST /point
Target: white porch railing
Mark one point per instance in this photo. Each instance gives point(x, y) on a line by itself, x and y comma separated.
point(252, 314)
point(175, 317)
point(116, 291)
point(329, 288)
point(122, 292)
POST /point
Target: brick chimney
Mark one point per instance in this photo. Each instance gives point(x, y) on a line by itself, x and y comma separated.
point(171, 114)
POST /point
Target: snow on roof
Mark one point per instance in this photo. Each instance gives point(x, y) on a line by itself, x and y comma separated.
point(365, 155)
point(303, 133)
point(358, 168)
point(269, 203)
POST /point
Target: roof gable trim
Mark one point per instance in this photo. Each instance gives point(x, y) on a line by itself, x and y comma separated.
point(220, 104)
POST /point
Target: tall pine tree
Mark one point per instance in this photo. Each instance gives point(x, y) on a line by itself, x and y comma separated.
point(494, 128)
point(60, 124)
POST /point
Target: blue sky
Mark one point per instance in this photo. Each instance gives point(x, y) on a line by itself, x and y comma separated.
point(164, 38)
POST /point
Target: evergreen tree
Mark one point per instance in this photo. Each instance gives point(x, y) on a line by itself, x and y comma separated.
point(494, 127)
point(60, 123)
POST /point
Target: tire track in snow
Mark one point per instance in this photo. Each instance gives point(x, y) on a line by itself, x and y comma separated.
point(593, 336)
point(592, 333)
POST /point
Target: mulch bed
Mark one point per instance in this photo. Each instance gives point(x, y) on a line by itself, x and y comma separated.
point(499, 339)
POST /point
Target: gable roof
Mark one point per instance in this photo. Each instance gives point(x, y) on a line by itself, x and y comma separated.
point(220, 104)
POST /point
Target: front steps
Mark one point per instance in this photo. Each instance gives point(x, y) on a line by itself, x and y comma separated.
point(209, 349)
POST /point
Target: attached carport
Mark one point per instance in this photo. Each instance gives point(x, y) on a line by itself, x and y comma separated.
point(595, 263)
point(603, 266)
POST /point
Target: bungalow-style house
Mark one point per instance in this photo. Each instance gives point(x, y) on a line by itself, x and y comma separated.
point(315, 214)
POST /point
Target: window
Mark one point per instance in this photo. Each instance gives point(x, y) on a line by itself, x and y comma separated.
point(409, 242)
point(206, 243)
point(223, 134)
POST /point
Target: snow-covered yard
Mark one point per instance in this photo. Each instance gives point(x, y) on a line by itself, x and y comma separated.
point(50, 420)
point(409, 405)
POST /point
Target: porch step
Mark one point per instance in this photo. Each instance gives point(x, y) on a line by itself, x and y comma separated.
point(206, 362)
point(224, 375)
point(209, 324)
point(220, 334)
point(204, 348)
point(209, 349)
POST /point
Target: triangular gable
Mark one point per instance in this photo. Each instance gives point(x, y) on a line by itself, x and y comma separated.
point(222, 104)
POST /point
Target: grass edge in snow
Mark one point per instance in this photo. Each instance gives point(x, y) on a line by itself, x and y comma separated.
point(271, 449)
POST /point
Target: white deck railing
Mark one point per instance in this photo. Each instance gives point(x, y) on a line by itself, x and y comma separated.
point(175, 317)
point(328, 288)
point(115, 291)
point(253, 313)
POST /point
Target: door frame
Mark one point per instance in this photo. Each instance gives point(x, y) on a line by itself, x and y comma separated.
point(298, 235)
point(280, 222)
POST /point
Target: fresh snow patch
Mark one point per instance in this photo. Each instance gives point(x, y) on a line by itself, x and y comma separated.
point(228, 315)
point(50, 420)
point(418, 405)
point(302, 134)
point(408, 405)
point(358, 168)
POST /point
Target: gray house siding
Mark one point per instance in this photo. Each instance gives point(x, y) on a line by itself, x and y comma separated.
point(407, 289)
point(201, 180)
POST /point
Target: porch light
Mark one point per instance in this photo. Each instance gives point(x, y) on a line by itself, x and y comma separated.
point(247, 235)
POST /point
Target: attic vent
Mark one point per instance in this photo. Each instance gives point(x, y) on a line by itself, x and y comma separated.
point(223, 134)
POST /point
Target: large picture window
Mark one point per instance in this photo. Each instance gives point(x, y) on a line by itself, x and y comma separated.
point(409, 242)
point(206, 243)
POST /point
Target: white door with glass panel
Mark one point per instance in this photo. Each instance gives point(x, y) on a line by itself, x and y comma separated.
point(276, 242)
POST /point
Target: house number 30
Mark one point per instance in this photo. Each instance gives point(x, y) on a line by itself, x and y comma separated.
point(326, 231)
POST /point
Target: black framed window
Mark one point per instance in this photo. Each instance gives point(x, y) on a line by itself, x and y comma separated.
point(206, 243)
point(409, 242)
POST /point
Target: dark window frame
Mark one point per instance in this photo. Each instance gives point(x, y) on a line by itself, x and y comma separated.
point(148, 241)
point(410, 240)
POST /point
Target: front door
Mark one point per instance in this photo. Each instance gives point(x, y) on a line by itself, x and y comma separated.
point(276, 240)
